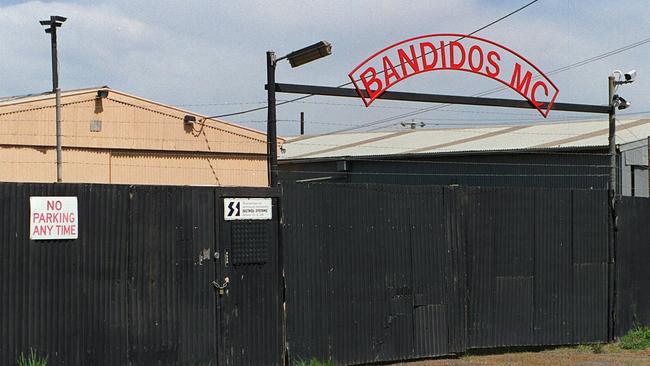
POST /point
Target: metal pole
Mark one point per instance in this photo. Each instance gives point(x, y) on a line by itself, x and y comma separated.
point(57, 91)
point(612, 210)
point(271, 130)
point(55, 65)
point(302, 123)
point(612, 136)
point(59, 164)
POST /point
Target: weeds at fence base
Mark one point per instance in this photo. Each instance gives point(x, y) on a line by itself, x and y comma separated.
point(638, 338)
point(313, 362)
point(593, 348)
point(32, 359)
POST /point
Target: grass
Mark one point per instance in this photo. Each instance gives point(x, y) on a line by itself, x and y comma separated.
point(32, 359)
point(592, 348)
point(313, 362)
point(638, 338)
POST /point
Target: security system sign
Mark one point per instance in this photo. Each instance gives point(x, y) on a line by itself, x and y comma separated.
point(53, 218)
point(247, 209)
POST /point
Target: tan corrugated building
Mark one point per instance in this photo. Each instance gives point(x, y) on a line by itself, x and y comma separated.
point(110, 136)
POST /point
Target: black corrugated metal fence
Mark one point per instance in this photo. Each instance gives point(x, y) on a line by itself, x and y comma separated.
point(136, 287)
point(378, 273)
point(373, 273)
point(633, 264)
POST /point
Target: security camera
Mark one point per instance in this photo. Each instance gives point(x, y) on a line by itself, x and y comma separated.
point(623, 78)
point(620, 102)
point(624, 104)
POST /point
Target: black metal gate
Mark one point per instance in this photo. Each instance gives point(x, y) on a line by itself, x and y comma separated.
point(379, 273)
point(632, 258)
point(248, 283)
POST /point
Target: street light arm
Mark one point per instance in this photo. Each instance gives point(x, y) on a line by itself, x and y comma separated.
point(296, 58)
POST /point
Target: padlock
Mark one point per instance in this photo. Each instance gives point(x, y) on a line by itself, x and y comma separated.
point(221, 291)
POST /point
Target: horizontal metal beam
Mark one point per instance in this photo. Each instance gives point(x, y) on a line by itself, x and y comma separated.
point(437, 98)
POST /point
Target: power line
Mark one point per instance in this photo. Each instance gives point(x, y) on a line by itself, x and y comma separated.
point(399, 161)
point(349, 82)
point(577, 64)
point(563, 175)
point(516, 121)
point(498, 89)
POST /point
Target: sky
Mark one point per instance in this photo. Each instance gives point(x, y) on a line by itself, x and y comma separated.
point(209, 56)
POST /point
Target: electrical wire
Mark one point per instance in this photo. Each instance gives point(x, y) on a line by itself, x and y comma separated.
point(442, 162)
point(513, 121)
point(448, 174)
point(577, 64)
point(349, 82)
point(501, 88)
point(486, 92)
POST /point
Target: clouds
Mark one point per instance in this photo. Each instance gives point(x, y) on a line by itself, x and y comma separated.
point(208, 51)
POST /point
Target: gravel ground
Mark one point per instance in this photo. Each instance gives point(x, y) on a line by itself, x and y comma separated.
point(609, 356)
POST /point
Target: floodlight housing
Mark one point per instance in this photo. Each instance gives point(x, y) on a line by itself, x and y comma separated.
point(310, 53)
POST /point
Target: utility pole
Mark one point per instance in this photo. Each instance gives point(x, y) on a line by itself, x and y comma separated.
point(271, 131)
point(295, 58)
point(612, 135)
point(612, 201)
point(302, 123)
point(55, 22)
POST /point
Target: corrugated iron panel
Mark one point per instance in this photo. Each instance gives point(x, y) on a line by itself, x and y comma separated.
point(434, 321)
point(430, 271)
point(590, 220)
point(632, 269)
point(67, 298)
point(590, 266)
point(514, 266)
point(250, 309)
point(553, 268)
point(558, 169)
point(171, 302)
point(455, 278)
point(481, 271)
point(370, 265)
point(501, 269)
point(136, 287)
point(513, 318)
point(591, 308)
point(304, 293)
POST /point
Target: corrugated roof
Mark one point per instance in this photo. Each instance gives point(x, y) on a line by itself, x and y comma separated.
point(468, 139)
point(16, 99)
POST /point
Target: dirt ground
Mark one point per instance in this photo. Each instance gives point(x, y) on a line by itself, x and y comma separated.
point(609, 355)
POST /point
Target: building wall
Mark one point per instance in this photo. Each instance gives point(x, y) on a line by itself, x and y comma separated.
point(135, 168)
point(139, 142)
point(634, 169)
point(26, 164)
point(562, 169)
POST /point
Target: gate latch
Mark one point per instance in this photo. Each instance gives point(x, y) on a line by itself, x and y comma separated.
point(222, 287)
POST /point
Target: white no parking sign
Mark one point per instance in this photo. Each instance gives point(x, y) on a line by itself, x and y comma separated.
point(53, 218)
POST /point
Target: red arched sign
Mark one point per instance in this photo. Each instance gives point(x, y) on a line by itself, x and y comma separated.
point(449, 51)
